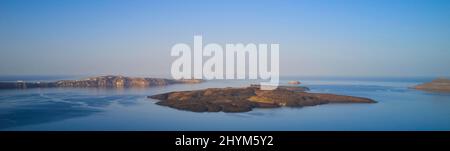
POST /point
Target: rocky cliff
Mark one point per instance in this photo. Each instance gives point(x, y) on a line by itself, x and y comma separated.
point(99, 82)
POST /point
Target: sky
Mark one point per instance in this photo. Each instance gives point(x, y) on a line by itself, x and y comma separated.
point(316, 37)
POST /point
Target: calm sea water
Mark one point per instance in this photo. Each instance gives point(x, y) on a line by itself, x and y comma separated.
point(398, 108)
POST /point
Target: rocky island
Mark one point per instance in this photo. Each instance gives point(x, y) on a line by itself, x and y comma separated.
point(437, 85)
point(294, 82)
point(245, 99)
point(99, 82)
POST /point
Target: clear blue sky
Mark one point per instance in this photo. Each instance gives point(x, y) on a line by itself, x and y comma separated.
point(316, 37)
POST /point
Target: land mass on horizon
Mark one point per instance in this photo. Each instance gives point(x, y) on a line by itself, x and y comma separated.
point(111, 81)
point(437, 85)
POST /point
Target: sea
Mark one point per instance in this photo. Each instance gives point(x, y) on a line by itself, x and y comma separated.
point(399, 108)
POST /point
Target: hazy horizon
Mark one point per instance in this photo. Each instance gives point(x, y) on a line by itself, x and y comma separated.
point(317, 38)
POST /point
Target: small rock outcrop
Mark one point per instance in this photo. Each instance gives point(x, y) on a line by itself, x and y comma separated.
point(294, 82)
point(437, 85)
point(245, 99)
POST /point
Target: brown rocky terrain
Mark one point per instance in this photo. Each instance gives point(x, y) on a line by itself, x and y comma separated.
point(294, 82)
point(245, 99)
point(99, 82)
point(437, 85)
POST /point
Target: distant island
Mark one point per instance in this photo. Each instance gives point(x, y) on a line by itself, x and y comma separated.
point(294, 82)
point(110, 81)
point(245, 99)
point(437, 85)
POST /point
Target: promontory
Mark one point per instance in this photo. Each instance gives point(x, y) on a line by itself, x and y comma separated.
point(437, 85)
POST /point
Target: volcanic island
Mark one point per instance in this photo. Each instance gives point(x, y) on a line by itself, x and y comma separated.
point(247, 98)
